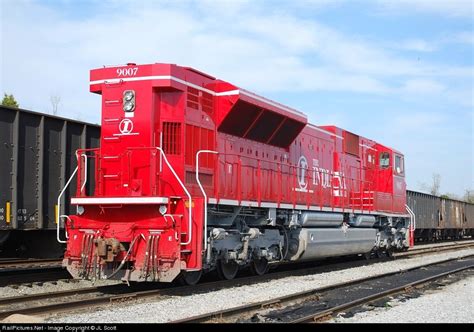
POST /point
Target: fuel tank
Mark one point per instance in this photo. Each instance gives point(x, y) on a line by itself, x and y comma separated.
point(314, 243)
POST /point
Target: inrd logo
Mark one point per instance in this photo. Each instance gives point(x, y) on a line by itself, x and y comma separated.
point(301, 172)
point(126, 126)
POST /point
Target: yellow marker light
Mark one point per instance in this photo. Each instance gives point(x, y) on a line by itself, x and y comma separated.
point(56, 214)
point(8, 213)
point(187, 204)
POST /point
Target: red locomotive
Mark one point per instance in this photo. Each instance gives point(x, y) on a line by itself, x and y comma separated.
point(195, 174)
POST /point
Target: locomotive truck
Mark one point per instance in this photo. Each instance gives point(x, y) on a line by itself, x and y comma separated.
point(194, 174)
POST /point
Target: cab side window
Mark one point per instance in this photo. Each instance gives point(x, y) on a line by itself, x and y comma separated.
point(384, 160)
point(399, 165)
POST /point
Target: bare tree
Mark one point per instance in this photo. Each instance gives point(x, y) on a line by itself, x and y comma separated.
point(55, 100)
point(434, 188)
point(469, 196)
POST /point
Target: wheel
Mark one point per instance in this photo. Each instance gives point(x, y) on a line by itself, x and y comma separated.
point(259, 266)
point(190, 278)
point(379, 253)
point(389, 253)
point(227, 271)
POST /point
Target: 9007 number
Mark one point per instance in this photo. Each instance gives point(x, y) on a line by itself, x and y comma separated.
point(127, 71)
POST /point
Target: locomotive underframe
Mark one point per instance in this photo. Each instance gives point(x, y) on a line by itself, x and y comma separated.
point(244, 235)
point(237, 238)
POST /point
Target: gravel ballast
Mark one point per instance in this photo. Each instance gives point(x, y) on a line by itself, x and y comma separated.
point(179, 307)
point(52, 286)
point(452, 304)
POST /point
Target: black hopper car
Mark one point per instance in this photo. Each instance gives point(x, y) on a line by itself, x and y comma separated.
point(37, 158)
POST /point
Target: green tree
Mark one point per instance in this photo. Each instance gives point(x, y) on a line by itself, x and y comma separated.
point(9, 100)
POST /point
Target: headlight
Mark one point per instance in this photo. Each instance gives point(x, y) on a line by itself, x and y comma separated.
point(80, 210)
point(128, 100)
point(128, 95)
point(162, 209)
point(128, 106)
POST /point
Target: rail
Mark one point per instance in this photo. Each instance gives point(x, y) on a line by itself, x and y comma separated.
point(392, 285)
point(26, 303)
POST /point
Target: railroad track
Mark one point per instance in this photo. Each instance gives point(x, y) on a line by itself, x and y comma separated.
point(28, 263)
point(15, 271)
point(69, 300)
point(322, 303)
point(438, 248)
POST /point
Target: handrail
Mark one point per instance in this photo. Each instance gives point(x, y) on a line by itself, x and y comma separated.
point(291, 166)
point(326, 180)
point(412, 215)
point(59, 216)
point(85, 172)
point(203, 192)
point(190, 222)
point(83, 153)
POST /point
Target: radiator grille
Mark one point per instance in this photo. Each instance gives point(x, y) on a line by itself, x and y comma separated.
point(172, 138)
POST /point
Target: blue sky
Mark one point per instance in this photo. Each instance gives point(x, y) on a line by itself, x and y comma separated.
point(399, 72)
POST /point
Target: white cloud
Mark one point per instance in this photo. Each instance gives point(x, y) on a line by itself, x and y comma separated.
point(465, 37)
point(417, 120)
point(424, 46)
point(449, 8)
point(417, 45)
point(263, 50)
point(464, 97)
point(45, 51)
point(420, 86)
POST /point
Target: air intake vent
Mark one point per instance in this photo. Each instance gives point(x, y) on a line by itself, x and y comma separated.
point(198, 138)
point(207, 103)
point(200, 100)
point(172, 138)
point(193, 98)
point(351, 143)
